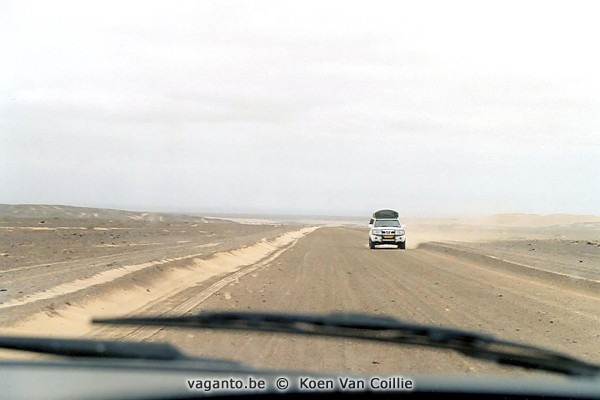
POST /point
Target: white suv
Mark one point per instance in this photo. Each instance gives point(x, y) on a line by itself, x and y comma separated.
point(385, 228)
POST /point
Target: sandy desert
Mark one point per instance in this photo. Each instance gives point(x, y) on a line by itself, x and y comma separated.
point(529, 278)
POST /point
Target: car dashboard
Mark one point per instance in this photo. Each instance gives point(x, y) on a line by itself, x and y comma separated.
point(160, 379)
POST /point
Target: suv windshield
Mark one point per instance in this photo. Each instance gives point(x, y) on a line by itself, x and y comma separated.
point(387, 223)
point(170, 158)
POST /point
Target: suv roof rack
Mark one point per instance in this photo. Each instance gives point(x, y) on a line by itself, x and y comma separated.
point(385, 214)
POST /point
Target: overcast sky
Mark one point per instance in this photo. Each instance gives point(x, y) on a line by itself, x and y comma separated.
point(329, 107)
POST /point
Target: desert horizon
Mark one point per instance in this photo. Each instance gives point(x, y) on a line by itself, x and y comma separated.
point(34, 210)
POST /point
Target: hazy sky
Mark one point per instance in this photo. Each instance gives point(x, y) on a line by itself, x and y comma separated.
point(433, 108)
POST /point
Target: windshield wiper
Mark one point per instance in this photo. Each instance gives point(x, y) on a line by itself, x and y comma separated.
point(383, 329)
point(91, 348)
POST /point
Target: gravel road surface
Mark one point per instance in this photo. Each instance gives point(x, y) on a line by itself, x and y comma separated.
point(332, 270)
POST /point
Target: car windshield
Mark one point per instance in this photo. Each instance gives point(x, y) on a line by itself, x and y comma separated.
point(170, 158)
point(383, 223)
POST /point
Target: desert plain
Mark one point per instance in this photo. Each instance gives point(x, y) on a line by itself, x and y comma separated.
point(529, 278)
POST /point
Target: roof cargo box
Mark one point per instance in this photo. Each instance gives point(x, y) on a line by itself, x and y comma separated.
point(385, 214)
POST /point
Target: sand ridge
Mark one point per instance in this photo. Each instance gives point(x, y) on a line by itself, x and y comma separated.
point(73, 319)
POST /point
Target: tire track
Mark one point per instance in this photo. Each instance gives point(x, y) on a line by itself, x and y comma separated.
point(331, 270)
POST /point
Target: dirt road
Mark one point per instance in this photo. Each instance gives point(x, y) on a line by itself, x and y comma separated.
point(59, 274)
point(332, 270)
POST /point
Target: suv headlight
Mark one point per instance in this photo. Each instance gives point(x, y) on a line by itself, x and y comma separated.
point(400, 232)
point(376, 231)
